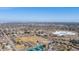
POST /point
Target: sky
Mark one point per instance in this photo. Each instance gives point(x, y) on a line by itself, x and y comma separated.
point(39, 14)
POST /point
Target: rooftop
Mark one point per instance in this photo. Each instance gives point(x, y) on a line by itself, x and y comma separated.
point(60, 33)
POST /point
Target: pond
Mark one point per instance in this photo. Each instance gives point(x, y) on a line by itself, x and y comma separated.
point(39, 47)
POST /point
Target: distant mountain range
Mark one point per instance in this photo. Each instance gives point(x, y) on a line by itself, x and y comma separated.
point(43, 23)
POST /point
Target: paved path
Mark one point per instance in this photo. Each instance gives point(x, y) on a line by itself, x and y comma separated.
point(9, 40)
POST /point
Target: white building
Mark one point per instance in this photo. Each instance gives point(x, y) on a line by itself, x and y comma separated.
point(63, 33)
